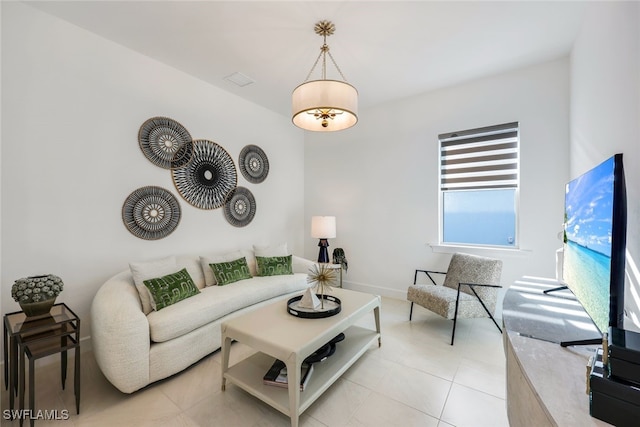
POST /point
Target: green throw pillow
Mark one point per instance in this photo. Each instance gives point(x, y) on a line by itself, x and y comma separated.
point(170, 289)
point(274, 266)
point(231, 271)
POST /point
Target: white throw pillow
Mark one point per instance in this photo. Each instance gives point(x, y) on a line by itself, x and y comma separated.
point(251, 261)
point(192, 264)
point(273, 250)
point(145, 270)
point(209, 279)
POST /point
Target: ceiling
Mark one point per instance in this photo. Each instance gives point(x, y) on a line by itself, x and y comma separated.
point(387, 49)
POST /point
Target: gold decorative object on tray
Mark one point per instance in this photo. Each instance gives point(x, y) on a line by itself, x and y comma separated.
point(323, 278)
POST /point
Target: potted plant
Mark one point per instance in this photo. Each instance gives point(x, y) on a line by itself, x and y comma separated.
point(340, 258)
point(37, 294)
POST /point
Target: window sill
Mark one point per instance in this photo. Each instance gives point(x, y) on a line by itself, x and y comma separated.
point(479, 250)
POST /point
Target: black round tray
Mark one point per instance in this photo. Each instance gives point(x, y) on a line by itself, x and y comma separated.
point(334, 308)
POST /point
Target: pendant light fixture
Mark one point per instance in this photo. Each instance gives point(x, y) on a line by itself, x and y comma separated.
point(325, 105)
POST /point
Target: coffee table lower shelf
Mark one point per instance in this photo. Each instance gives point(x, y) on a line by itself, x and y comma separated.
point(247, 374)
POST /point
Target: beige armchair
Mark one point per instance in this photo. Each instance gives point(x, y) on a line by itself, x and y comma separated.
point(470, 289)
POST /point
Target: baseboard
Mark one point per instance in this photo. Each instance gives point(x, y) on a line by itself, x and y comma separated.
point(376, 290)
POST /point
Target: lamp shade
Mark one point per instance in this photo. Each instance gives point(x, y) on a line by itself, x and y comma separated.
point(315, 97)
point(323, 227)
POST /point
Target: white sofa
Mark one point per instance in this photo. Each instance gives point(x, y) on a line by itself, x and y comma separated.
point(134, 349)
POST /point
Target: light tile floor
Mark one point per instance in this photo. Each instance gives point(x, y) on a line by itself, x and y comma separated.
point(415, 379)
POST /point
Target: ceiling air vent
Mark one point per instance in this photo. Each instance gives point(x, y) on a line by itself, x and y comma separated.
point(239, 79)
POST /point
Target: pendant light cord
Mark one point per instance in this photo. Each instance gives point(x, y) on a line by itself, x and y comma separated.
point(324, 50)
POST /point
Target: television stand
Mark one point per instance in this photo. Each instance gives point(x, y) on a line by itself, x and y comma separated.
point(591, 341)
point(588, 341)
point(558, 288)
point(536, 366)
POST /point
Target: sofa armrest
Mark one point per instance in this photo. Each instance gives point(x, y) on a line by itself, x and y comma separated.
point(120, 334)
point(301, 265)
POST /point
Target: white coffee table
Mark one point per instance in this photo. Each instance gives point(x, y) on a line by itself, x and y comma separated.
point(277, 334)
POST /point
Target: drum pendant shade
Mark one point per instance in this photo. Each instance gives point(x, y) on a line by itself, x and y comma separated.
point(336, 97)
point(324, 105)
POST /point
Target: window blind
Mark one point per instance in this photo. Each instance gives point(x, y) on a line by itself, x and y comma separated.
point(482, 158)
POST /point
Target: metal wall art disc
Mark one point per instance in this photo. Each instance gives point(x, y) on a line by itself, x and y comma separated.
point(165, 142)
point(206, 181)
point(240, 208)
point(253, 164)
point(151, 213)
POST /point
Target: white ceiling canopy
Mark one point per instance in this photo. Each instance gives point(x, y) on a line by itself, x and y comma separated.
point(387, 49)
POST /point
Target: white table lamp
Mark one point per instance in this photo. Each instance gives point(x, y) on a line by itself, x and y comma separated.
point(323, 228)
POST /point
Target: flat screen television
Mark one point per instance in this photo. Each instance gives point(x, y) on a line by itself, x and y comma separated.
point(595, 229)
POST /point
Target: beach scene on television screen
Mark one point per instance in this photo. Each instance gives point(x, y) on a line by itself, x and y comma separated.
point(587, 240)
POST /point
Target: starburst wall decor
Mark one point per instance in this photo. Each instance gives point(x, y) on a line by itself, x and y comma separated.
point(240, 208)
point(151, 213)
point(165, 142)
point(203, 173)
point(208, 179)
point(253, 164)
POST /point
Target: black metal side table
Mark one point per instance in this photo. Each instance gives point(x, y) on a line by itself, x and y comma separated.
point(37, 337)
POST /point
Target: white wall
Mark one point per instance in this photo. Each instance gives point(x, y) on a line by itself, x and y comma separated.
point(72, 106)
point(605, 113)
point(380, 177)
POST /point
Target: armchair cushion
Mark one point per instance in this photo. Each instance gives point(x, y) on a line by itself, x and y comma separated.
point(465, 268)
point(442, 301)
point(438, 299)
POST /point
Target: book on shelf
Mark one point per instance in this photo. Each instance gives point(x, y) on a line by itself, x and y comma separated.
point(277, 375)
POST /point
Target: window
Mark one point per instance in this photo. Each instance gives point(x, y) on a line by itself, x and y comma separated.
point(479, 186)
